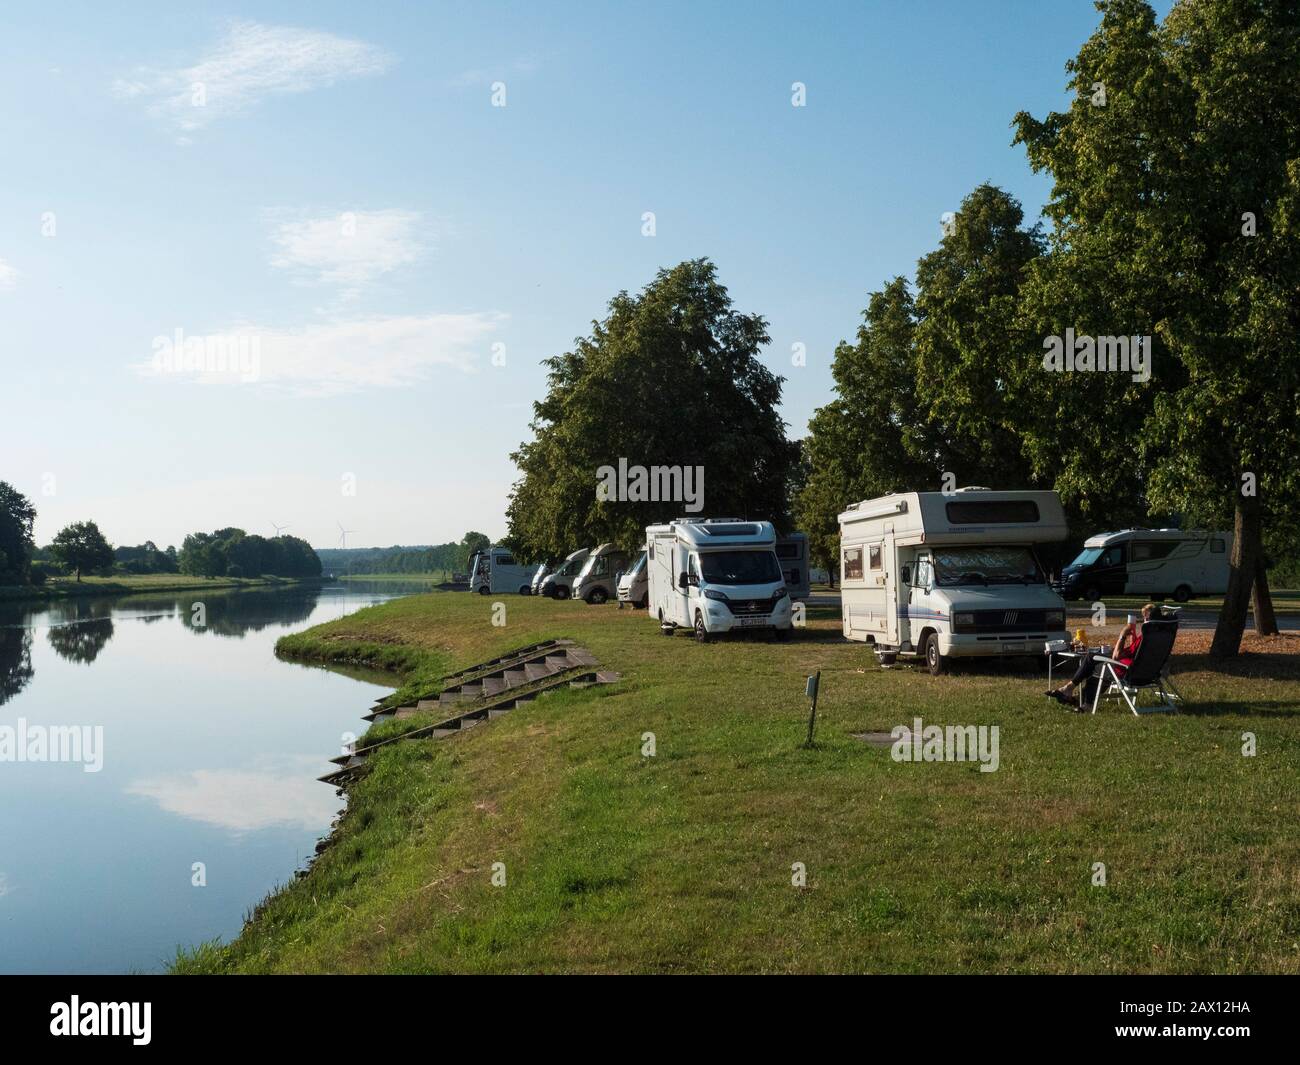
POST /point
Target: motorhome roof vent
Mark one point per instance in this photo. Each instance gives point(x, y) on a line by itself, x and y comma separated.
point(730, 528)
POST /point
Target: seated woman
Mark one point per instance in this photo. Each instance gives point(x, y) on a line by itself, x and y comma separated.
point(1126, 647)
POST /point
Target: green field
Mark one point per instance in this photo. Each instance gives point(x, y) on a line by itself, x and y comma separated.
point(682, 862)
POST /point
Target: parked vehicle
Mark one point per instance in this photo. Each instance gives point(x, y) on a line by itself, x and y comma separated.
point(950, 575)
point(715, 576)
point(496, 571)
point(596, 581)
point(633, 586)
point(559, 585)
point(792, 553)
point(536, 585)
point(1149, 562)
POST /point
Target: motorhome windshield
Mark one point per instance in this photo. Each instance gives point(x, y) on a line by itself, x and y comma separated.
point(986, 565)
point(571, 567)
point(1087, 557)
point(638, 565)
point(739, 567)
point(596, 566)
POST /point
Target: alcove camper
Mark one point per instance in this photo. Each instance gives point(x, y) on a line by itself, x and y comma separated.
point(716, 576)
point(1149, 562)
point(950, 575)
point(792, 553)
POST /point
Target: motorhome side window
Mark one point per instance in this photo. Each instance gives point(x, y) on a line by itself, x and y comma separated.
point(787, 551)
point(1152, 549)
point(992, 512)
point(505, 560)
point(853, 563)
point(873, 556)
point(1113, 556)
point(923, 574)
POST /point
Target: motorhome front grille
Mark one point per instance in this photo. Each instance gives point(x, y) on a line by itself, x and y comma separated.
point(749, 608)
point(1007, 621)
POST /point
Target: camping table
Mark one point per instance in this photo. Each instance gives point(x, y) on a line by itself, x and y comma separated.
point(1064, 656)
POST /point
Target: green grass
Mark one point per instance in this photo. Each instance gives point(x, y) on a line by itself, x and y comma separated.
point(128, 584)
point(682, 862)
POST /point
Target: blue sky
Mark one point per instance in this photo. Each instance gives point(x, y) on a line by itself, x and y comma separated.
point(334, 181)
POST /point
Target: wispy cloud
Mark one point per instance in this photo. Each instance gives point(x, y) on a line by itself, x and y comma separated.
point(349, 249)
point(252, 61)
point(328, 358)
point(8, 275)
point(244, 800)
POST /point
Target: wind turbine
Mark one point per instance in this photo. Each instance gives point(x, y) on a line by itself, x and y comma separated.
point(343, 535)
point(279, 529)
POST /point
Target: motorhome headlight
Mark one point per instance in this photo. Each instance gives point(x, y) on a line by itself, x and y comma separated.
point(713, 593)
point(1055, 619)
point(963, 621)
point(781, 592)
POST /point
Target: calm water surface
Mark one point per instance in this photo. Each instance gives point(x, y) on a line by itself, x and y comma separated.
point(211, 747)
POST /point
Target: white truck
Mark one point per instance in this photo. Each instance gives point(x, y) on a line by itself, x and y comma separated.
point(1154, 563)
point(943, 575)
point(559, 585)
point(716, 576)
point(792, 553)
point(496, 571)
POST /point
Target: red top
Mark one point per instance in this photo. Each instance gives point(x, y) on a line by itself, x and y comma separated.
point(1126, 655)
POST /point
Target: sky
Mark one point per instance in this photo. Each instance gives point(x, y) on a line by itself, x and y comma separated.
point(375, 220)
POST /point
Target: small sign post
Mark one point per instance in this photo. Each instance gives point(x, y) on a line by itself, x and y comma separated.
point(814, 682)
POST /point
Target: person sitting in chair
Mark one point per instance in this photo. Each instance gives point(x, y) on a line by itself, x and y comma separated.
point(1126, 648)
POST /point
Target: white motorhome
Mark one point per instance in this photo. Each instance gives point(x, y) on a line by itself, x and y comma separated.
point(559, 585)
point(496, 571)
point(792, 553)
point(633, 586)
point(950, 575)
point(715, 576)
point(536, 585)
point(595, 582)
point(1149, 562)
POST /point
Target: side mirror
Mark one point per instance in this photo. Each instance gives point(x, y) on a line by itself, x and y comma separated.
point(682, 582)
point(905, 575)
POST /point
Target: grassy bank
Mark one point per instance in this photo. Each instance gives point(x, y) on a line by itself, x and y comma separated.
point(129, 584)
point(682, 861)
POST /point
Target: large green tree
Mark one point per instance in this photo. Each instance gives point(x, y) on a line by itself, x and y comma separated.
point(670, 377)
point(82, 548)
point(16, 544)
point(1175, 212)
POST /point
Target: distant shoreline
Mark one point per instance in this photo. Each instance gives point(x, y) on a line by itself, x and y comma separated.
point(62, 588)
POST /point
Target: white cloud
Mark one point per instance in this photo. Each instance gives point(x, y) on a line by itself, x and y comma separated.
point(350, 249)
point(328, 358)
point(244, 800)
point(252, 61)
point(8, 275)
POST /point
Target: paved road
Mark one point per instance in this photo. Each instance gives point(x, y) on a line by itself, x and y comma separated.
point(1189, 617)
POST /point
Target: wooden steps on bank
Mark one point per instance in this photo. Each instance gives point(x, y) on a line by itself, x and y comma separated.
point(482, 692)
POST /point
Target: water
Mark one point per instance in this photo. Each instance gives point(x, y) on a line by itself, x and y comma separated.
point(210, 750)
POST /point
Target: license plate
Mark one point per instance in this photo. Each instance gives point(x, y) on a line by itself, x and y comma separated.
point(747, 622)
point(1015, 647)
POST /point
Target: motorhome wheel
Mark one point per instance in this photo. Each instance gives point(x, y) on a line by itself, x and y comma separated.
point(1092, 593)
point(934, 661)
point(598, 596)
point(483, 589)
point(701, 633)
point(1182, 593)
point(561, 592)
point(525, 590)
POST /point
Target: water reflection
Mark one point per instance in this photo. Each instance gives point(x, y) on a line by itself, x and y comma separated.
point(81, 641)
point(15, 662)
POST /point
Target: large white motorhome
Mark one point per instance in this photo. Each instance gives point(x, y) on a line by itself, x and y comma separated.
point(595, 582)
point(792, 553)
point(496, 571)
point(948, 575)
point(559, 585)
point(714, 576)
point(1149, 562)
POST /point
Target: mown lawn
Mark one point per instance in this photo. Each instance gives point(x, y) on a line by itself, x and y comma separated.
point(681, 862)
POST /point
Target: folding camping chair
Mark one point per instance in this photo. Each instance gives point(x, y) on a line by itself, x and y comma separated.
point(1149, 671)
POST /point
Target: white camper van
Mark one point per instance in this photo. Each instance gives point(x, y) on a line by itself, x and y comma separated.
point(1149, 562)
point(536, 585)
point(716, 576)
point(595, 581)
point(633, 586)
point(559, 585)
point(950, 575)
point(792, 553)
point(496, 571)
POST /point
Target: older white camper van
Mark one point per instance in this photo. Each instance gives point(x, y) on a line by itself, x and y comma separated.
point(950, 575)
point(496, 571)
point(715, 576)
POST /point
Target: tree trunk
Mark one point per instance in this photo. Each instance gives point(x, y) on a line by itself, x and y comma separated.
point(1247, 554)
point(1265, 619)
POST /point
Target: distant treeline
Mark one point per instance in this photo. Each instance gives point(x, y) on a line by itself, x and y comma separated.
point(423, 558)
point(234, 553)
